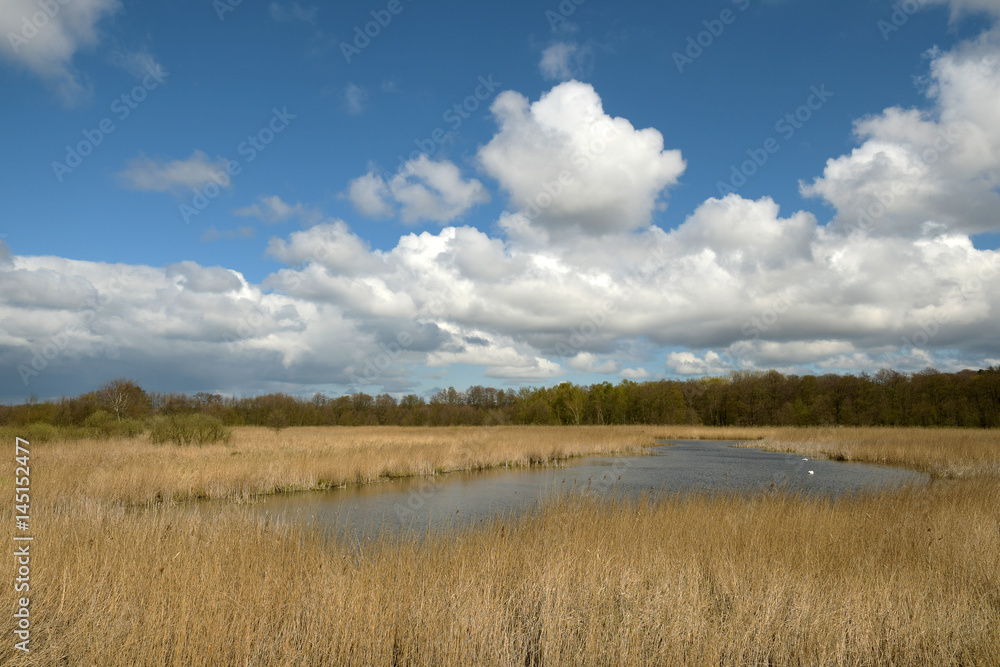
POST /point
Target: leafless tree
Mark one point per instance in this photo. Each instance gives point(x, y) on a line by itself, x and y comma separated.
point(122, 397)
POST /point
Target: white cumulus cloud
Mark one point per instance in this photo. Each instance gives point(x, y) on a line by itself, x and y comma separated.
point(739, 284)
point(687, 363)
point(918, 170)
point(586, 362)
point(568, 166)
point(422, 189)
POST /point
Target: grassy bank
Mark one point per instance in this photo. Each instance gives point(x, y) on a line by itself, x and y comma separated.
point(947, 453)
point(907, 577)
point(259, 461)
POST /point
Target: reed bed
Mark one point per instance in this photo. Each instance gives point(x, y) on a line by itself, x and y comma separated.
point(947, 453)
point(907, 578)
point(259, 461)
point(902, 577)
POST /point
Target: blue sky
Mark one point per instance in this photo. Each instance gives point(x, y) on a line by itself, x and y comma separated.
point(231, 196)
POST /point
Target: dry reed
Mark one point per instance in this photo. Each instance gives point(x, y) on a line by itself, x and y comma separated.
point(948, 453)
point(258, 461)
point(907, 577)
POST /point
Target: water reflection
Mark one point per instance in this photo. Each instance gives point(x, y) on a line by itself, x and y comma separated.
point(460, 499)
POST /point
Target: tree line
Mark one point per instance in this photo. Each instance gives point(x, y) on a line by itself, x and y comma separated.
point(744, 398)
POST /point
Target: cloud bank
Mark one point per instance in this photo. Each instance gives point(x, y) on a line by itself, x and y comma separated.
point(576, 282)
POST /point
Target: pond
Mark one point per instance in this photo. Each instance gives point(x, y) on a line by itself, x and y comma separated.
point(463, 498)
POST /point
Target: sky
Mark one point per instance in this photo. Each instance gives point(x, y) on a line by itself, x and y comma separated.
point(399, 196)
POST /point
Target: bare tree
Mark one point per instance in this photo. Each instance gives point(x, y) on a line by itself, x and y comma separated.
point(122, 397)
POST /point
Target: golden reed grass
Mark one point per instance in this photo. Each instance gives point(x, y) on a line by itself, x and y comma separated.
point(259, 461)
point(908, 577)
point(949, 453)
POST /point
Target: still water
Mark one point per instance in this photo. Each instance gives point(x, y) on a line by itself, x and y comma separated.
point(460, 499)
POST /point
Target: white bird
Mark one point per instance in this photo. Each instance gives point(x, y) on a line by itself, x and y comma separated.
point(810, 472)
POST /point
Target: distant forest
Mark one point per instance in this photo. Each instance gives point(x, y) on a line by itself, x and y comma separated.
point(744, 398)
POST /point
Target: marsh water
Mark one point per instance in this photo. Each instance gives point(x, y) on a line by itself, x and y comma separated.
point(456, 500)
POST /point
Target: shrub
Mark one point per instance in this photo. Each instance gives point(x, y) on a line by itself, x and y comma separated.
point(98, 420)
point(99, 424)
point(193, 429)
point(36, 433)
point(103, 424)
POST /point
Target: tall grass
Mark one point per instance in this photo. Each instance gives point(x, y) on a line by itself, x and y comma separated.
point(258, 461)
point(903, 577)
point(948, 453)
point(907, 578)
